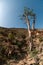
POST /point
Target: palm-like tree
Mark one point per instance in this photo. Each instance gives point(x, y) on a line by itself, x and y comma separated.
point(26, 16)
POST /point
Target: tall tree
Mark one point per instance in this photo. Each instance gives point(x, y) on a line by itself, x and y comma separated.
point(26, 16)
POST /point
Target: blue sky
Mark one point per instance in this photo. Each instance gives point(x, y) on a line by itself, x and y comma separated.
point(11, 9)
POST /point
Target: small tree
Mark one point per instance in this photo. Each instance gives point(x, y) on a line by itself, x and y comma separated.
point(25, 16)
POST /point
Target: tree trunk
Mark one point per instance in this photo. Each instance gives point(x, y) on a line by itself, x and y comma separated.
point(28, 25)
point(30, 36)
point(33, 25)
point(30, 40)
point(29, 31)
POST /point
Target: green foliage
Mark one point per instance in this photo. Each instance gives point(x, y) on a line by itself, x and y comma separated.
point(41, 39)
point(8, 64)
point(11, 36)
point(27, 12)
point(34, 53)
point(2, 55)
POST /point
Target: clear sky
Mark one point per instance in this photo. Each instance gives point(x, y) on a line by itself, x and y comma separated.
point(11, 9)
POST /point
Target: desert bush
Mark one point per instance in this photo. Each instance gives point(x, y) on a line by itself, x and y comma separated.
point(34, 53)
point(23, 36)
point(3, 58)
point(11, 36)
point(41, 39)
point(3, 33)
point(23, 41)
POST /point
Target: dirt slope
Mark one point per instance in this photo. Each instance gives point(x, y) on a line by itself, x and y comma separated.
point(14, 47)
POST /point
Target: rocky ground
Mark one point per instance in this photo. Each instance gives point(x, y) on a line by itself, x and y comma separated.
point(14, 47)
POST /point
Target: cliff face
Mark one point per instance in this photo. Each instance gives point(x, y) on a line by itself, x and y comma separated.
point(14, 47)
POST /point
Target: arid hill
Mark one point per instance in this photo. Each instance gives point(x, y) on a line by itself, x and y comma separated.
point(14, 47)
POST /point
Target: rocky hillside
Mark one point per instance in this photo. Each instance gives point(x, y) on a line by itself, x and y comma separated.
point(14, 47)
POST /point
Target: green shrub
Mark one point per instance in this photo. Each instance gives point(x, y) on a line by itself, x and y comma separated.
point(34, 53)
point(11, 36)
point(41, 39)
